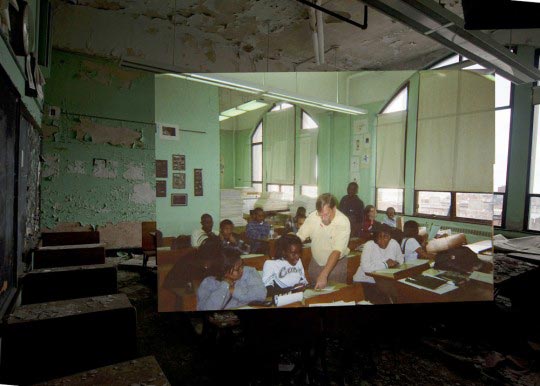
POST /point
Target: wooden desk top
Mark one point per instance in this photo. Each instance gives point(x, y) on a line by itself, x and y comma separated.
point(470, 291)
point(402, 271)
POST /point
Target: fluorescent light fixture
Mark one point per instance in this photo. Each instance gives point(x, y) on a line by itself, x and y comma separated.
point(431, 19)
point(252, 105)
point(220, 81)
point(529, 1)
point(222, 117)
point(233, 112)
point(230, 83)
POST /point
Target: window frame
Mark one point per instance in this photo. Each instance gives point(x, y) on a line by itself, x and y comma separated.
point(280, 188)
point(402, 200)
point(530, 195)
point(302, 112)
point(253, 144)
point(406, 85)
point(453, 208)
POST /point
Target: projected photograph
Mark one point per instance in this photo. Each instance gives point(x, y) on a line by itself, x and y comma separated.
point(310, 211)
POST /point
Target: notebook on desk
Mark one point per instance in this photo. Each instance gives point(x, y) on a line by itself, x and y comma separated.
point(426, 281)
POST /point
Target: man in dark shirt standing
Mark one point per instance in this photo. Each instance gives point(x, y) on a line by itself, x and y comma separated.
point(353, 207)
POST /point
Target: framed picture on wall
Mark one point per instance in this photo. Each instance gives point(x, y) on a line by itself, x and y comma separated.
point(161, 188)
point(168, 131)
point(179, 162)
point(179, 181)
point(198, 182)
point(161, 168)
point(179, 199)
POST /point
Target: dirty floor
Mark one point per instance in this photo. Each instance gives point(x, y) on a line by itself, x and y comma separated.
point(455, 345)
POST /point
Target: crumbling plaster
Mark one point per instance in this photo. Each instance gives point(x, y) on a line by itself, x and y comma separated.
point(236, 35)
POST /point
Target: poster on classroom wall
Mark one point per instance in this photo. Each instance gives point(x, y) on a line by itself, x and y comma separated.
point(179, 162)
point(179, 180)
point(168, 131)
point(198, 182)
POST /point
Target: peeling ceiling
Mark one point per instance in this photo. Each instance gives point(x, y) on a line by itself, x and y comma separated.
point(247, 35)
point(237, 35)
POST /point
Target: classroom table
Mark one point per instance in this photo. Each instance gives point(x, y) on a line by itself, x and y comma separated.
point(401, 293)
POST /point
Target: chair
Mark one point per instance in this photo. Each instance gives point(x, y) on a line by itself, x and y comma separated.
point(149, 242)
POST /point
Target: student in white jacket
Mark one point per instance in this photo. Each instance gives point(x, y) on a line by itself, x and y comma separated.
point(381, 253)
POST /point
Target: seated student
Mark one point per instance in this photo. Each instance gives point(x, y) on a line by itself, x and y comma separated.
point(233, 286)
point(390, 219)
point(411, 245)
point(381, 253)
point(257, 232)
point(291, 225)
point(231, 240)
point(369, 221)
point(199, 235)
point(285, 273)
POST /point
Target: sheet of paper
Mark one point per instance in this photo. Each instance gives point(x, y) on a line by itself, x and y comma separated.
point(480, 246)
point(364, 303)
point(309, 293)
point(388, 270)
point(334, 304)
point(481, 276)
point(283, 300)
point(441, 290)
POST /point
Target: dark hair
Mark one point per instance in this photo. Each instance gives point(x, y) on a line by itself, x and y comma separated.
point(257, 210)
point(205, 215)
point(367, 209)
point(381, 228)
point(326, 199)
point(300, 211)
point(284, 243)
point(352, 184)
point(390, 207)
point(225, 222)
point(229, 257)
point(410, 229)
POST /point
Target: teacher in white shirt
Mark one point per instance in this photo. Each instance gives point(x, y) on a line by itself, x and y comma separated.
point(329, 230)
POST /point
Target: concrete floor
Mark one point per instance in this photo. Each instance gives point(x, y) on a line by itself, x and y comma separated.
point(452, 344)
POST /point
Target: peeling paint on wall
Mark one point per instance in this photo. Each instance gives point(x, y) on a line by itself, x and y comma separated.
point(105, 168)
point(49, 131)
point(134, 172)
point(123, 136)
point(107, 75)
point(143, 194)
point(115, 150)
point(50, 166)
point(76, 167)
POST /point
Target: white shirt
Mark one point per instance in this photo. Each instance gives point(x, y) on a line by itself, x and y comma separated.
point(283, 273)
point(409, 246)
point(374, 258)
point(326, 238)
point(198, 236)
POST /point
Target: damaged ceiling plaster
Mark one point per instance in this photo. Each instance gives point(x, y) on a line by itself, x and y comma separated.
point(246, 35)
point(238, 35)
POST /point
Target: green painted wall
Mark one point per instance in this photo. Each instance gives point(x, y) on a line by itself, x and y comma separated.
point(195, 107)
point(14, 66)
point(242, 173)
point(106, 114)
point(227, 156)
